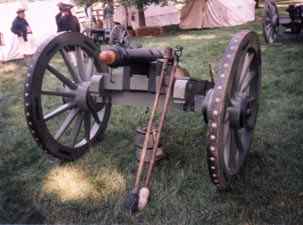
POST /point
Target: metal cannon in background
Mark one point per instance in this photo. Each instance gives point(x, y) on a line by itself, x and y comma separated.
point(72, 86)
point(272, 21)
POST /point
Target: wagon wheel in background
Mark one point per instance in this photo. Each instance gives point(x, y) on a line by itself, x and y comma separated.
point(270, 21)
point(233, 108)
point(119, 36)
point(63, 115)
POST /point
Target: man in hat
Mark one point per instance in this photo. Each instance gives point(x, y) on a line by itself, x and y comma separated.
point(20, 26)
point(65, 20)
point(25, 44)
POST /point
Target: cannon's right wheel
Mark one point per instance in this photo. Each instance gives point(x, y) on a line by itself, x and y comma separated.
point(270, 21)
point(233, 107)
point(63, 114)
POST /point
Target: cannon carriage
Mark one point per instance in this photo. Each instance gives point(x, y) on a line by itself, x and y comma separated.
point(72, 86)
point(272, 20)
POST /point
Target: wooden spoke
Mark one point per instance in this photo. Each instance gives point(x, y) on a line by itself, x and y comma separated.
point(77, 128)
point(246, 64)
point(87, 126)
point(58, 111)
point(80, 64)
point(69, 65)
point(68, 120)
point(61, 77)
point(59, 93)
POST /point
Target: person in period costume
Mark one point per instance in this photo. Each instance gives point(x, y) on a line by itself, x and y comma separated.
point(65, 19)
point(24, 43)
point(20, 26)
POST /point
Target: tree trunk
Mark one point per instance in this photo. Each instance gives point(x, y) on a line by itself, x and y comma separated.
point(126, 15)
point(257, 4)
point(141, 16)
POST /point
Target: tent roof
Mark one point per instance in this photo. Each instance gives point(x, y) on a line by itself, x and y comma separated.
point(216, 13)
point(157, 10)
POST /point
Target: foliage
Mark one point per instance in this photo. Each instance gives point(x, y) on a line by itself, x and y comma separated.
point(140, 3)
point(125, 2)
point(82, 2)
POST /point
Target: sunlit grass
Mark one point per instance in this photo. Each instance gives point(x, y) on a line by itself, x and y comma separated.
point(70, 183)
point(196, 37)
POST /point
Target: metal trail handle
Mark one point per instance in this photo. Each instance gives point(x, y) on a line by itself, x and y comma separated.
point(162, 118)
point(167, 58)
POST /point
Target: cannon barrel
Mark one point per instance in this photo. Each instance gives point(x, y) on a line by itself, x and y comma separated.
point(118, 56)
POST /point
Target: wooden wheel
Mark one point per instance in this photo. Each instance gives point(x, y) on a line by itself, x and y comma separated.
point(62, 113)
point(233, 107)
point(270, 21)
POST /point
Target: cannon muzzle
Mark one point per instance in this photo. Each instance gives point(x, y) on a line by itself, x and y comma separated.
point(118, 56)
point(108, 57)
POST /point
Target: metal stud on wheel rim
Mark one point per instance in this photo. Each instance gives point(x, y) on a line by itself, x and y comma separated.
point(233, 107)
point(270, 21)
point(60, 110)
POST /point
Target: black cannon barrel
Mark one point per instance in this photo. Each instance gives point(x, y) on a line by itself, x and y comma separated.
point(125, 57)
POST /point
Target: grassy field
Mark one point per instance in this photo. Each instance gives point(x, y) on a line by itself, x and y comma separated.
point(269, 190)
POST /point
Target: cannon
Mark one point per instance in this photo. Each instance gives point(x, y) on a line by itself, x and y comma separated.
point(72, 85)
point(293, 22)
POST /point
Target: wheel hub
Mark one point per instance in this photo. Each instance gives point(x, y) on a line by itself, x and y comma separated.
point(82, 95)
point(240, 113)
point(87, 95)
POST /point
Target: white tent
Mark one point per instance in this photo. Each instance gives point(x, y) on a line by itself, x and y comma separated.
point(41, 17)
point(162, 16)
point(197, 14)
point(155, 15)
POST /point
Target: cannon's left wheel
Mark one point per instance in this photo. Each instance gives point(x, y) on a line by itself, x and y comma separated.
point(233, 107)
point(64, 116)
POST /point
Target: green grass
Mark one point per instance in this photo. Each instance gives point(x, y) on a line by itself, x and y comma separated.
point(269, 190)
